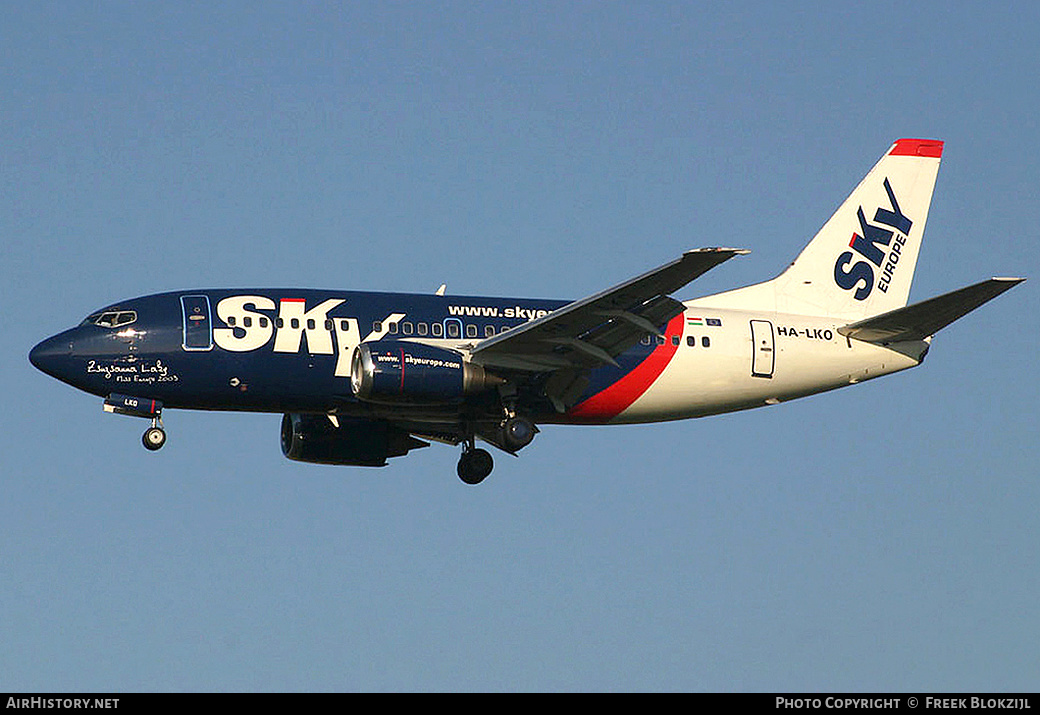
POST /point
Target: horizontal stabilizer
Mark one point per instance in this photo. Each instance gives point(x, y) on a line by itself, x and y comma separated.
point(921, 320)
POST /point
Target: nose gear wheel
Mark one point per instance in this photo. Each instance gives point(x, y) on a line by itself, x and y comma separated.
point(154, 437)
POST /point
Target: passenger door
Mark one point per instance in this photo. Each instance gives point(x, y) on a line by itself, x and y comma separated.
point(763, 356)
point(198, 328)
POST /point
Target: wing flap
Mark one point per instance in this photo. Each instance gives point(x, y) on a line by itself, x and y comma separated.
point(921, 320)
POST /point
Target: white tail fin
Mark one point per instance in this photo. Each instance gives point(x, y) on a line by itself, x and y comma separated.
point(861, 263)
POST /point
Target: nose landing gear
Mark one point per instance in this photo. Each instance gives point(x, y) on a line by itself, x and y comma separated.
point(155, 436)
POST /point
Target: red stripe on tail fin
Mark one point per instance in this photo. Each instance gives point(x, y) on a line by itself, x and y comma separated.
point(917, 147)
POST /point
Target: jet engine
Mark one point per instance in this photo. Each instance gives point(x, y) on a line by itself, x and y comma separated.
point(401, 372)
point(352, 442)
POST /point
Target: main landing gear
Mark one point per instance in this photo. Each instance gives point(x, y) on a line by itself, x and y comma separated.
point(514, 434)
point(475, 464)
point(517, 433)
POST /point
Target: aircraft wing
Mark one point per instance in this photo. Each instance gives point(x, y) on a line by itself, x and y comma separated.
point(920, 320)
point(593, 331)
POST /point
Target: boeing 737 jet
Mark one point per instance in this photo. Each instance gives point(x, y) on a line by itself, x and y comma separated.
point(361, 377)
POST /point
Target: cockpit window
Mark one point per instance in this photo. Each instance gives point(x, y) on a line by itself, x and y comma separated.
point(111, 318)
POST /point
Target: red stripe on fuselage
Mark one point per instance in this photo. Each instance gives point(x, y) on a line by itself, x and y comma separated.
point(614, 400)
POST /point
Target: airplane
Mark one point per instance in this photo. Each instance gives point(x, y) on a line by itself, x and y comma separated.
point(362, 377)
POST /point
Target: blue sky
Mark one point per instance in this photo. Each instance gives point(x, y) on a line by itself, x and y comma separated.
point(883, 537)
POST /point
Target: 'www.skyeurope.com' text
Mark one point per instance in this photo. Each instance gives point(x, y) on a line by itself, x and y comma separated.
point(487, 311)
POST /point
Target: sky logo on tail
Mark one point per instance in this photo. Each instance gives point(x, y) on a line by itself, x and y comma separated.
point(878, 246)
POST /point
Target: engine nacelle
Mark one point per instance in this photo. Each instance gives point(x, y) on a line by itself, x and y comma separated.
point(398, 371)
point(352, 442)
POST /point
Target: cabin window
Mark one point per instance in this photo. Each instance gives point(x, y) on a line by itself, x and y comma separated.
point(706, 341)
point(407, 328)
point(675, 340)
point(691, 341)
point(392, 328)
point(471, 331)
point(422, 328)
point(438, 330)
point(247, 322)
point(489, 330)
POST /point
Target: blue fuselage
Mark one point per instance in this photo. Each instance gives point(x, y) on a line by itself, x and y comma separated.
point(282, 350)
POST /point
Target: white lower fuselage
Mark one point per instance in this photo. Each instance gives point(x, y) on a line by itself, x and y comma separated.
point(788, 356)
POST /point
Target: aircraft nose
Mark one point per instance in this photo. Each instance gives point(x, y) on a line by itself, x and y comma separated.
point(50, 354)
